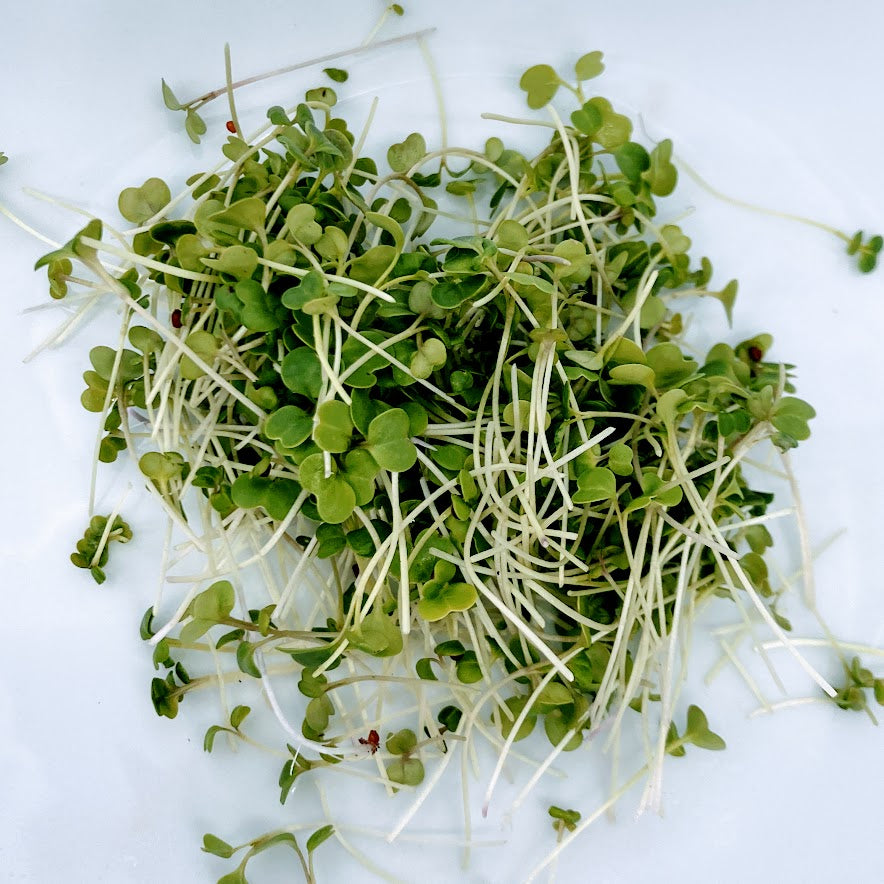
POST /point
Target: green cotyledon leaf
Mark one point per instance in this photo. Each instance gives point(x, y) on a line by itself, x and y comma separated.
point(387, 441)
point(333, 429)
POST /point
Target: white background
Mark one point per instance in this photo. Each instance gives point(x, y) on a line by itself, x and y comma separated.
point(778, 103)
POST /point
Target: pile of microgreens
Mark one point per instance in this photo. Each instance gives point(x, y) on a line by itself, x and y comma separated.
point(453, 488)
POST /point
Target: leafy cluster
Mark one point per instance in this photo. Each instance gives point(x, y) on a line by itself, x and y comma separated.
point(93, 549)
point(865, 250)
point(218, 847)
point(859, 683)
point(494, 445)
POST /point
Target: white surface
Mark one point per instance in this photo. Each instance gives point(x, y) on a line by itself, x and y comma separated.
point(778, 103)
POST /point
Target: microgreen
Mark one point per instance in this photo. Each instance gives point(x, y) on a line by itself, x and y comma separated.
point(860, 681)
point(866, 251)
point(216, 846)
point(93, 549)
point(210, 607)
point(563, 820)
point(486, 465)
point(377, 635)
point(195, 125)
point(440, 596)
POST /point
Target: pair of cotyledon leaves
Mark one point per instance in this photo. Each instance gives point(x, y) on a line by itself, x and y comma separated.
point(340, 485)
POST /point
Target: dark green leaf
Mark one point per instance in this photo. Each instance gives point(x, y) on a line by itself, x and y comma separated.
point(302, 372)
